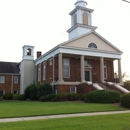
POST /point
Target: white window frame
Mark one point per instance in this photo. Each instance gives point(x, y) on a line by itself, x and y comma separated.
point(50, 61)
point(105, 70)
point(39, 72)
point(15, 79)
point(71, 89)
point(65, 64)
point(2, 79)
point(87, 63)
point(44, 71)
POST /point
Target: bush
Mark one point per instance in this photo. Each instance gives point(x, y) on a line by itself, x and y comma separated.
point(33, 93)
point(102, 96)
point(22, 97)
point(44, 89)
point(50, 97)
point(7, 96)
point(27, 91)
point(125, 100)
point(62, 97)
point(16, 96)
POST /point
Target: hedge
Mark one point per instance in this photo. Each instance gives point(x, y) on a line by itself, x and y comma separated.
point(63, 97)
point(7, 96)
point(125, 100)
point(103, 96)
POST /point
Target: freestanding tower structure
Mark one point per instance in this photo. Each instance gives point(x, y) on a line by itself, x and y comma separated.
point(27, 67)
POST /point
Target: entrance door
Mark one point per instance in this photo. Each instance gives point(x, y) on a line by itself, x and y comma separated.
point(87, 75)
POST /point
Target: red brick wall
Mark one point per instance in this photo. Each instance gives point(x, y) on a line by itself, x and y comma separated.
point(75, 69)
point(83, 88)
point(8, 83)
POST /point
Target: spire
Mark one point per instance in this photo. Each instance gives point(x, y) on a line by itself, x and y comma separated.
point(81, 3)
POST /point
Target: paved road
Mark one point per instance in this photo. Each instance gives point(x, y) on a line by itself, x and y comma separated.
point(61, 116)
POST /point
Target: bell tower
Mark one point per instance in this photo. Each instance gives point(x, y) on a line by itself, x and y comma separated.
point(81, 20)
point(27, 67)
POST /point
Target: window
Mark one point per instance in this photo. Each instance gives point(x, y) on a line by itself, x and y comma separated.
point(39, 72)
point(92, 45)
point(2, 79)
point(75, 19)
point(1, 93)
point(15, 91)
point(87, 63)
point(73, 89)
point(85, 19)
point(50, 61)
point(66, 68)
point(15, 79)
point(44, 71)
point(105, 70)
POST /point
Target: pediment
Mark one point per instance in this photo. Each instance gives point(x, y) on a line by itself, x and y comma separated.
point(84, 41)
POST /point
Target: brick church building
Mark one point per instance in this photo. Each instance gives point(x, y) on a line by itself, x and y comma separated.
point(83, 63)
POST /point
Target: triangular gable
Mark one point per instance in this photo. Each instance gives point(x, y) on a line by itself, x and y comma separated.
point(92, 37)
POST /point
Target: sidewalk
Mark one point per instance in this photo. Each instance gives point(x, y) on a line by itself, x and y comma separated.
point(61, 116)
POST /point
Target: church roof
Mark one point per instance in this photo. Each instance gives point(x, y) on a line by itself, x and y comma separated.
point(9, 67)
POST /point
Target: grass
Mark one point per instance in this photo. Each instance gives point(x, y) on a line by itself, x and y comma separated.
point(104, 122)
point(24, 108)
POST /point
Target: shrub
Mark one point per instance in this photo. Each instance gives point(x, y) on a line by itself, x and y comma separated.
point(33, 93)
point(62, 97)
point(27, 91)
point(16, 96)
point(7, 96)
point(102, 96)
point(44, 89)
point(22, 97)
point(125, 100)
point(50, 97)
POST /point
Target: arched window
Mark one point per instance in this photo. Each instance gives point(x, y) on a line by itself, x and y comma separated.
point(85, 19)
point(29, 51)
point(92, 45)
point(75, 19)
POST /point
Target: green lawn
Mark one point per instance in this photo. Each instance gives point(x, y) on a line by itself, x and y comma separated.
point(104, 122)
point(25, 108)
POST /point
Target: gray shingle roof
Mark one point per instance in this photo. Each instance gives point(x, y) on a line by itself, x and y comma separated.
point(9, 67)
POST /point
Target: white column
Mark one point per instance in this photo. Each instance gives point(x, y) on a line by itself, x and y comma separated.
point(119, 71)
point(102, 69)
point(82, 69)
point(60, 67)
point(53, 69)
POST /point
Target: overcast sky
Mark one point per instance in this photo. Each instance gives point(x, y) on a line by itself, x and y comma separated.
point(43, 24)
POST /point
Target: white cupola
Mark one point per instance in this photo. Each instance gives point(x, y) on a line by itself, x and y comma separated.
point(28, 52)
point(81, 20)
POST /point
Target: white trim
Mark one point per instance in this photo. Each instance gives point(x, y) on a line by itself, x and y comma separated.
point(69, 67)
point(79, 51)
point(14, 79)
point(75, 89)
point(2, 79)
point(44, 70)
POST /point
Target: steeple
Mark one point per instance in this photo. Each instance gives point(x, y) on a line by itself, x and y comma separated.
point(81, 20)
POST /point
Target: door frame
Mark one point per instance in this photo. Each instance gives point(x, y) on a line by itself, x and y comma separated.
point(90, 71)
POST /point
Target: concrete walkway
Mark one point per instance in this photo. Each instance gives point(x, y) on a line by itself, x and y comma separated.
point(62, 116)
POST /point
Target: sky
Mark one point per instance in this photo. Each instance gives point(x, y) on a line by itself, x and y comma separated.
point(43, 24)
